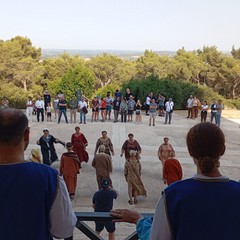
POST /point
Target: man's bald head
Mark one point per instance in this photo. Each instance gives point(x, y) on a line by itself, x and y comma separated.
point(13, 125)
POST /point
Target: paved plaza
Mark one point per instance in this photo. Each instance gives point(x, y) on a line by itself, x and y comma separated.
point(149, 138)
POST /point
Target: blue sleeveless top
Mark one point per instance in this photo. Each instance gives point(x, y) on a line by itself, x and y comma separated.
point(27, 191)
point(199, 209)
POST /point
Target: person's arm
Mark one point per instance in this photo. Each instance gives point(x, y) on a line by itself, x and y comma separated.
point(111, 146)
point(97, 146)
point(123, 148)
point(62, 218)
point(160, 153)
point(61, 166)
point(94, 162)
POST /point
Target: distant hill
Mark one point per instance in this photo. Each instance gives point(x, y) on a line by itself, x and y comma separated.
point(125, 54)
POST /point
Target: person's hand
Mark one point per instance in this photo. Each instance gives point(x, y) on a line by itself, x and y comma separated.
point(165, 181)
point(121, 154)
point(125, 215)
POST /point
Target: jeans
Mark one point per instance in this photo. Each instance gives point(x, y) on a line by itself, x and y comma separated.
point(40, 110)
point(62, 111)
point(168, 116)
point(213, 116)
point(82, 114)
point(123, 116)
point(218, 119)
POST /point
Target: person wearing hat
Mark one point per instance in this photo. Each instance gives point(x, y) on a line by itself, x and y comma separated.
point(103, 202)
point(103, 164)
point(48, 151)
point(69, 168)
point(169, 110)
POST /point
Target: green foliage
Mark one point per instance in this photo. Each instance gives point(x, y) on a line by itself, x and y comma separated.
point(102, 92)
point(77, 78)
point(179, 91)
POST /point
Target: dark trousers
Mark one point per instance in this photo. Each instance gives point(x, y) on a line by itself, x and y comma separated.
point(203, 116)
point(123, 116)
point(168, 117)
point(40, 110)
point(62, 111)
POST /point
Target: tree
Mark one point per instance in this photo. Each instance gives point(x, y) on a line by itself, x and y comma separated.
point(235, 53)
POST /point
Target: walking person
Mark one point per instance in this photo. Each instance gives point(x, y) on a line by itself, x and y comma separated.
point(48, 150)
point(79, 145)
point(73, 105)
point(40, 108)
point(169, 110)
point(69, 168)
point(204, 109)
point(34, 191)
point(62, 106)
point(103, 202)
point(29, 109)
point(106, 141)
point(152, 112)
point(132, 173)
point(123, 110)
point(103, 165)
point(82, 107)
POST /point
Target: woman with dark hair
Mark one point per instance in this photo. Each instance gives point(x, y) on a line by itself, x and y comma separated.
point(205, 206)
point(130, 144)
point(106, 141)
point(79, 145)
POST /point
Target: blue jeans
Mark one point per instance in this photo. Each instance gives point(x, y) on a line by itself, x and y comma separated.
point(218, 119)
point(62, 111)
point(82, 114)
point(168, 117)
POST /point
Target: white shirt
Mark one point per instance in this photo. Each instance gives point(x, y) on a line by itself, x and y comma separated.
point(148, 99)
point(62, 217)
point(190, 103)
point(82, 104)
point(39, 104)
point(169, 106)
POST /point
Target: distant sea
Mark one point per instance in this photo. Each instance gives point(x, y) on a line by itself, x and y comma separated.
point(125, 54)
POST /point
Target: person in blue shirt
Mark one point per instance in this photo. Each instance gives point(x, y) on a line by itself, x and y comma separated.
point(205, 206)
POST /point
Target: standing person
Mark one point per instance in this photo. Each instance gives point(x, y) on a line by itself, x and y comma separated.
point(195, 102)
point(152, 112)
point(138, 112)
point(48, 212)
point(131, 104)
point(116, 107)
point(103, 164)
point(214, 112)
point(164, 150)
point(109, 103)
point(48, 150)
point(29, 109)
point(130, 144)
point(47, 99)
point(73, 105)
point(106, 141)
point(161, 100)
point(172, 170)
point(219, 109)
point(4, 103)
point(190, 106)
point(196, 201)
point(82, 107)
point(40, 108)
point(79, 145)
point(103, 202)
point(62, 105)
point(118, 94)
point(55, 106)
point(123, 110)
point(49, 112)
point(147, 103)
point(169, 110)
point(103, 109)
point(128, 94)
point(132, 173)
point(69, 168)
point(204, 109)
point(95, 105)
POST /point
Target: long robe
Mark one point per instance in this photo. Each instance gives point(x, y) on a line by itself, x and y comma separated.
point(79, 144)
point(107, 143)
point(132, 172)
point(69, 168)
point(128, 146)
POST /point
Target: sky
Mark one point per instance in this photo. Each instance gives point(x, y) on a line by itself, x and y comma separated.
point(158, 25)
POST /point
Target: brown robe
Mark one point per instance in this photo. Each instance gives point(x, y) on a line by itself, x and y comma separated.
point(69, 168)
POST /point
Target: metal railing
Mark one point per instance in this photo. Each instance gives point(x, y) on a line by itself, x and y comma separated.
point(98, 216)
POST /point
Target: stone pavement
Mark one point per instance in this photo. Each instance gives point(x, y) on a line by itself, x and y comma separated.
point(149, 138)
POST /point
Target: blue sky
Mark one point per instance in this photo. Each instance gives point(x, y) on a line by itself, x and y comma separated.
point(123, 24)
